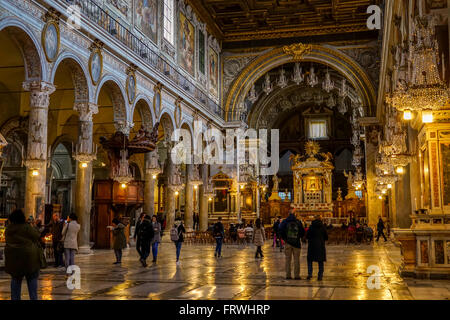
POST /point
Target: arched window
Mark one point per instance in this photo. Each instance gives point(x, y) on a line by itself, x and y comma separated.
point(169, 21)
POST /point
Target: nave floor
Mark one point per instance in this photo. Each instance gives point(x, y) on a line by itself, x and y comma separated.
point(237, 275)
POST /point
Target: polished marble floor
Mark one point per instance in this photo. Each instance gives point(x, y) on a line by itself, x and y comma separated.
point(237, 275)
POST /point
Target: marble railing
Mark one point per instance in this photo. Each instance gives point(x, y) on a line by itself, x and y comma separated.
point(425, 246)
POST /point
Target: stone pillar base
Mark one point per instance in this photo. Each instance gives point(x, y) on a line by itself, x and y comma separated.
point(85, 250)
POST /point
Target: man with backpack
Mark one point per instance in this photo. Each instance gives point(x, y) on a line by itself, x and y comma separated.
point(144, 238)
point(292, 231)
point(176, 235)
point(218, 233)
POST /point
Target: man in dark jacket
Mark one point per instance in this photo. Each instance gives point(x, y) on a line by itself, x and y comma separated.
point(316, 235)
point(380, 228)
point(144, 238)
point(136, 232)
point(291, 231)
point(55, 228)
point(218, 233)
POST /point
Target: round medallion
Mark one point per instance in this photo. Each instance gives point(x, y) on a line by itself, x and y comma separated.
point(50, 41)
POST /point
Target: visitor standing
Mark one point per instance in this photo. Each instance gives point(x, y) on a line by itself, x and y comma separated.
point(156, 237)
point(248, 233)
point(218, 233)
point(55, 228)
point(291, 231)
point(145, 238)
point(316, 235)
point(380, 229)
point(259, 236)
point(22, 255)
point(176, 235)
point(119, 239)
point(70, 234)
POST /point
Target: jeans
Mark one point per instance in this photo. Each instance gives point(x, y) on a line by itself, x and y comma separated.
point(310, 268)
point(32, 283)
point(178, 246)
point(258, 251)
point(381, 233)
point(289, 252)
point(155, 250)
point(219, 246)
point(58, 255)
point(118, 254)
point(69, 255)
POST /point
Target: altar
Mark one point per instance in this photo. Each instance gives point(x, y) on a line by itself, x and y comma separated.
point(312, 177)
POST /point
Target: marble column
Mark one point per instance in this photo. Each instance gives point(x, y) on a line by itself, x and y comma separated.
point(203, 201)
point(374, 208)
point(83, 184)
point(36, 159)
point(189, 199)
point(170, 194)
point(149, 187)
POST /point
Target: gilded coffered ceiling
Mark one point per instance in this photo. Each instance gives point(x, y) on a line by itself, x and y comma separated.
point(244, 20)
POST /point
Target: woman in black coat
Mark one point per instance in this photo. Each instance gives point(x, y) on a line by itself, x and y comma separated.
point(316, 235)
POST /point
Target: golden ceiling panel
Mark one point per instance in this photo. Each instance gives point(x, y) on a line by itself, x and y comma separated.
point(239, 20)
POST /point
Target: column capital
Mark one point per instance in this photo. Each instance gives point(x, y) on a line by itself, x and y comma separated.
point(35, 164)
point(86, 110)
point(124, 126)
point(40, 93)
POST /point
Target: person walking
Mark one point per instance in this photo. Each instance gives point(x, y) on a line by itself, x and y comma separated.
point(136, 233)
point(70, 234)
point(218, 233)
point(55, 228)
point(316, 235)
point(119, 239)
point(259, 236)
point(291, 231)
point(380, 229)
point(176, 235)
point(145, 237)
point(156, 237)
point(22, 255)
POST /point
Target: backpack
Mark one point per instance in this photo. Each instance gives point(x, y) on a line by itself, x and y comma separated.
point(292, 233)
point(174, 234)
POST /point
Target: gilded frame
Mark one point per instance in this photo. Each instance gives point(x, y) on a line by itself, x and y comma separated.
point(44, 40)
point(99, 52)
point(131, 75)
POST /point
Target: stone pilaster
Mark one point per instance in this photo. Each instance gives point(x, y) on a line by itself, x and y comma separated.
point(36, 159)
point(203, 201)
point(189, 199)
point(170, 193)
point(83, 184)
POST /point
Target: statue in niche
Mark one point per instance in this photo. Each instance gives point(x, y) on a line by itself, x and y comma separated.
point(276, 181)
point(36, 141)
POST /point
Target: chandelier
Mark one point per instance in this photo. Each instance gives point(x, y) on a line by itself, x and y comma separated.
point(298, 76)
point(312, 78)
point(425, 90)
point(342, 107)
point(252, 96)
point(331, 101)
point(267, 85)
point(343, 90)
point(358, 180)
point(153, 168)
point(282, 81)
point(327, 84)
point(123, 174)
